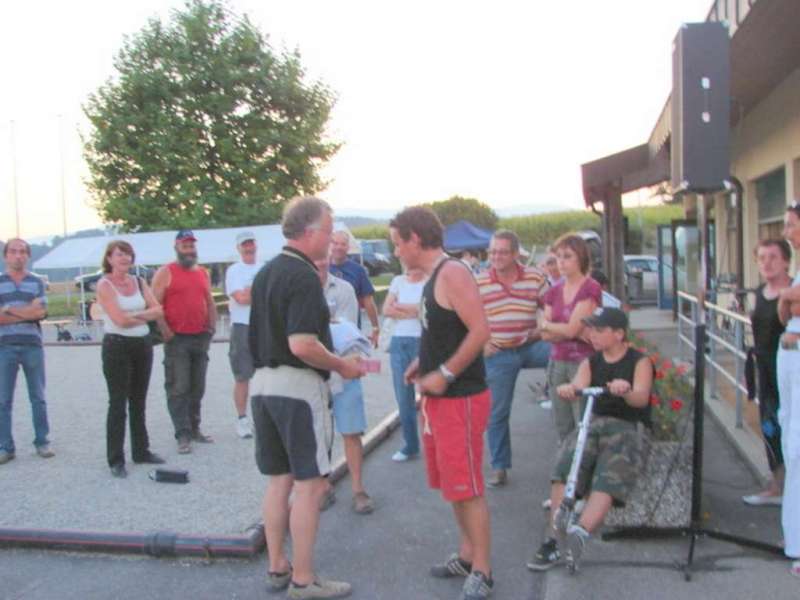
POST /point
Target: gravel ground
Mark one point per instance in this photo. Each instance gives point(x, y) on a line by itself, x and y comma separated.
point(75, 490)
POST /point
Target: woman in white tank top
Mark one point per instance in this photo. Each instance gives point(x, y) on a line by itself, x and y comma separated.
point(127, 305)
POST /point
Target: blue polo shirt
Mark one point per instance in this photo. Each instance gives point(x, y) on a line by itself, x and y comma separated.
point(26, 333)
point(354, 274)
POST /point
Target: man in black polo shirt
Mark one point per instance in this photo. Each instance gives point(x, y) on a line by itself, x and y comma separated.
point(291, 345)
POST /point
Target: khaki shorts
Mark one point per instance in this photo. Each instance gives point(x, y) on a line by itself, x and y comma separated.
point(292, 422)
point(239, 353)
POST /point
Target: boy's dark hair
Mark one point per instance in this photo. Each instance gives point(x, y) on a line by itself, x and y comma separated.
point(422, 221)
point(780, 243)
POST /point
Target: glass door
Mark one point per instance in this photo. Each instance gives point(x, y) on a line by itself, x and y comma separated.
point(664, 255)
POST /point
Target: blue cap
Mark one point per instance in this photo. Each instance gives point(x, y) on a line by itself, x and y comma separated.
point(184, 235)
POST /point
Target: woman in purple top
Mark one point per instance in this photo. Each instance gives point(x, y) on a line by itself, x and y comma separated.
point(567, 303)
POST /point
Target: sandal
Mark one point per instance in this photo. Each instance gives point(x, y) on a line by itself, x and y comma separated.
point(362, 503)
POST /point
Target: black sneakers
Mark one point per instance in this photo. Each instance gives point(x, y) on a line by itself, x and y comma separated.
point(454, 566)
point(477, 586)
point(546, 556)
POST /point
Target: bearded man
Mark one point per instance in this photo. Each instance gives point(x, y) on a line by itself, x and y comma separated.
point(190, 317)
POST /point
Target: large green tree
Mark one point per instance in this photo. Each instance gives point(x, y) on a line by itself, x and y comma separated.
point(457, 208)
point(204, 124)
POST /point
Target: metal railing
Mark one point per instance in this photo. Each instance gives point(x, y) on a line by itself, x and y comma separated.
point(728, 334)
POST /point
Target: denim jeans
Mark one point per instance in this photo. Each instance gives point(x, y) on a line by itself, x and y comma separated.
point(31, 358)
point(502, 369)
point(402, 351)
point(185, 365)
point(127, 362)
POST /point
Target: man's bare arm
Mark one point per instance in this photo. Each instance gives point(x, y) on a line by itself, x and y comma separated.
point(161, 281)
point(310, 350)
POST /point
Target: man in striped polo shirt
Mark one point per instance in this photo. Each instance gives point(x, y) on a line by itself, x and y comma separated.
point(510, 294)
point(23, 304)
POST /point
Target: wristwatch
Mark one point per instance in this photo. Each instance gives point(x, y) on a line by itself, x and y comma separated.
point(446, 373)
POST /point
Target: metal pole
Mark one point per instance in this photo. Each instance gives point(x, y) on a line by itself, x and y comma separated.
point(700, 360)
point(711, 329)
point(739, 344)
point(679, 302)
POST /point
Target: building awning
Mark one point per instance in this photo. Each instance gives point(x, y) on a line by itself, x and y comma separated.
point(623, 172)
point(765, 49)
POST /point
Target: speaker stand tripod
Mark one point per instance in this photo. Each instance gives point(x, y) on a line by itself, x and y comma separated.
point(695, 529)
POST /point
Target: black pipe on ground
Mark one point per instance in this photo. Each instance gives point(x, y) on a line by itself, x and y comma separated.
point(158, 544)
point(167, 543)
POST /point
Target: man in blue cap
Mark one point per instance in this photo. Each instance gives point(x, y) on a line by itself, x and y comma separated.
point(190, 319)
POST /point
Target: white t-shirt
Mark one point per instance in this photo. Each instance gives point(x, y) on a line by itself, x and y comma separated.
point(793, 326)
point(238, 277)
point(407, 293)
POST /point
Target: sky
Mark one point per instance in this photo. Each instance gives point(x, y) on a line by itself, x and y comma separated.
point(500, 101)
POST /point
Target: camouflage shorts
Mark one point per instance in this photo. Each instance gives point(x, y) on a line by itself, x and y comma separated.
point(610, 462)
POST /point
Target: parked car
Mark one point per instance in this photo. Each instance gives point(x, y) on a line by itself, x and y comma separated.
point(89, 281)
point(376, 256)
point(641, 277)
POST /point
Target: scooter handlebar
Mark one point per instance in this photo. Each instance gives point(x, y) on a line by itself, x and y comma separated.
point(591, 391)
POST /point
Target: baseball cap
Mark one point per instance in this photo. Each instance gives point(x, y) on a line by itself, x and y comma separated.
point(184, 235)
point(608, 317)
point(245, 236)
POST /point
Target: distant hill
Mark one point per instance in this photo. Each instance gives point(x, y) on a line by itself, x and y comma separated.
point(360, 221)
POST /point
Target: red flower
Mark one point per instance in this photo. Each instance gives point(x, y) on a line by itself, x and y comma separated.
point(654, 401)
point(659, 374)
point(676, 404)
point(667, 364)
point(682, 369)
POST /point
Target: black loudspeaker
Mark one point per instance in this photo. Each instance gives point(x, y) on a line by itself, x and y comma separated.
point(701, 81)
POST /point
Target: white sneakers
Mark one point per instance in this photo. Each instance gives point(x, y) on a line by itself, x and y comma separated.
point(243, 429)
point(762, 500)
point(400, 456)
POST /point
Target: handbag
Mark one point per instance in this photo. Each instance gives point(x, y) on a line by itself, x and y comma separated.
point(155, 333)
point(386, 333)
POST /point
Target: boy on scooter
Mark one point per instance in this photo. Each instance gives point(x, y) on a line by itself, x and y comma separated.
point(608, 465)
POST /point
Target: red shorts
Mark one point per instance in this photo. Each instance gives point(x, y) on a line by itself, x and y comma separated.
point(453, 443)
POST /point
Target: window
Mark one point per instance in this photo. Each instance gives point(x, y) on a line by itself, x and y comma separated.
point(771, 198)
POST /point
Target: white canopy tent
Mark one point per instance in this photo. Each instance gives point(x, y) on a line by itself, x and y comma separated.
point(157, 248)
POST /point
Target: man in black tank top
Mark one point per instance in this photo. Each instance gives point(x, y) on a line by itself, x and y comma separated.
point(449, 374)
point(608, 466)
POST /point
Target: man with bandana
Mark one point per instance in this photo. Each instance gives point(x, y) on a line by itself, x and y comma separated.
point(190, 316)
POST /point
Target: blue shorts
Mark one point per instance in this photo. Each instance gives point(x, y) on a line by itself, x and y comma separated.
point(348, 408)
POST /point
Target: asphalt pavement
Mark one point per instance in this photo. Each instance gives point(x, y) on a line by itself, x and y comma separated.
point(386, 555)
